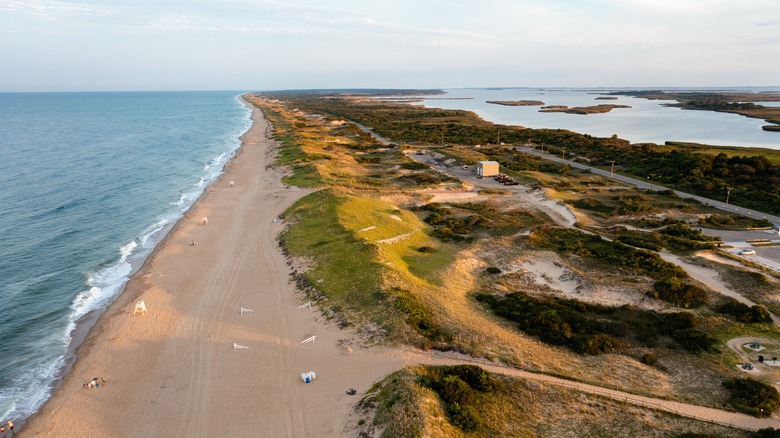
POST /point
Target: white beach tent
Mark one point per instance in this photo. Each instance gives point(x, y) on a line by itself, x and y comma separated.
point(308, 377)
point(140, 307)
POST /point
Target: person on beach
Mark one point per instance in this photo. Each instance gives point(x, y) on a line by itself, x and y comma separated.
point(10, 426)
point(193, 243)
point(2, 430)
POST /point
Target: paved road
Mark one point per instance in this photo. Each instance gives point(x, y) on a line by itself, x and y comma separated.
point(723, 417)
point(653, 186)
point(768, 257)
point(721, 205)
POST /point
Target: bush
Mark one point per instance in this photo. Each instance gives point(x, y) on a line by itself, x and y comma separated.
point(492, 270)
point(464, 417)
point(753, 397)
point(454, 390)
point(596, 344)
point(649, 359)
point(475, 376)
point(426, 249)
point(674, 291)
point(417, 315)
point(744, 313)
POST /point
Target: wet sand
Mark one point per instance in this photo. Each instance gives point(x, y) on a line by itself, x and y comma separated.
point(175, 371)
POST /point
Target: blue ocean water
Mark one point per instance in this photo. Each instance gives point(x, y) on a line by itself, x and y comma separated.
point(89, 183)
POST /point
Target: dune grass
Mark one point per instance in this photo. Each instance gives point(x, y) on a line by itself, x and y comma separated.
point(411, 403)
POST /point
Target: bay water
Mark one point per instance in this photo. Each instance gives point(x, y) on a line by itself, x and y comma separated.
point(646, 121)
point(89, 183)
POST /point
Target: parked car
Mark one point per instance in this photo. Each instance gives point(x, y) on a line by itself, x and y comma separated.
point(747, 252)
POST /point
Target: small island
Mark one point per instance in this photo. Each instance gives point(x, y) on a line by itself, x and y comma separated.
point(516, 102)
point(724, 102)
point(606, 98)
point(594, 109)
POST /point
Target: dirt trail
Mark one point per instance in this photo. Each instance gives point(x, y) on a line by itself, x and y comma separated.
point(710, 278)
point(703, 413)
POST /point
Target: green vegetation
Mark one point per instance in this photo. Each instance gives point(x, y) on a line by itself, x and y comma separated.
point(753, 397)
point(737, 103)
point(676, 237)
point(291, 154)
point(456, 385)
point(744, 313)
point(594, 329)
point(395, 271)
point(670, 285)
point(345, 268)
point(733, 222)
point(614, 254)
point(421, 401)
point(755, 179)
point(674, 291)
point(457, 222)
point(418, 316)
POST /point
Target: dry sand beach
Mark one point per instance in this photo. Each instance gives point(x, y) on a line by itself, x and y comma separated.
point(174, 371)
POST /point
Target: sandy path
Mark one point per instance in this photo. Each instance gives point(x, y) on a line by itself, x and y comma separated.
point(712, 415)
point(174, 371)
point(711, 279)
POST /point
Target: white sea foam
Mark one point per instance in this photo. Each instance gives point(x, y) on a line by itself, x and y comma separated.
point(33, 385)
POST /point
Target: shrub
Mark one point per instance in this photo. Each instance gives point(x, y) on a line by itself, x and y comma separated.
point(649, 359)
point(464, 417)
point(753, 397)
point(426, 249)
point(454, 390)
point(492, 270)
point(744, 313)
point(674, 291)
point(475, 376)
point(596, 344)
point(417, 315)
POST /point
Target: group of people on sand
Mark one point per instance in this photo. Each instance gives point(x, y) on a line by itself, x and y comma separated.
point(94, 383)
point(10, 426)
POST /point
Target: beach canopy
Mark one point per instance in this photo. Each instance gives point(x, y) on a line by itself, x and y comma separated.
point(308, 377)
point(140, 307)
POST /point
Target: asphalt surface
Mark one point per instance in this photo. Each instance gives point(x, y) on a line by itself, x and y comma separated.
point(734, 241)
point(649, 184)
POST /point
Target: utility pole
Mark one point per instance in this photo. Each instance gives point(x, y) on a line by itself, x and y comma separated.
point(612, 169)
point(498, 140)
point(563, 154)
point(651, 180)
point(728, 194)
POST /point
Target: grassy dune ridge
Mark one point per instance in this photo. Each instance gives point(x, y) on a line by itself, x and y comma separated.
point(370, 254)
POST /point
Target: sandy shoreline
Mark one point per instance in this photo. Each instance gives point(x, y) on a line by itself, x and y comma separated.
point(175, 371)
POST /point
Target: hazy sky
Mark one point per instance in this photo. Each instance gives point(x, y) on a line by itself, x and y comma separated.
point(63, 45)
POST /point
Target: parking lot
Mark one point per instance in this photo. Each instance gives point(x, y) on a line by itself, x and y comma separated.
point(768, 256)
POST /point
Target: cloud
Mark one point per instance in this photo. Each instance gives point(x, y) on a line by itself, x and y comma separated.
point(53, 9)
